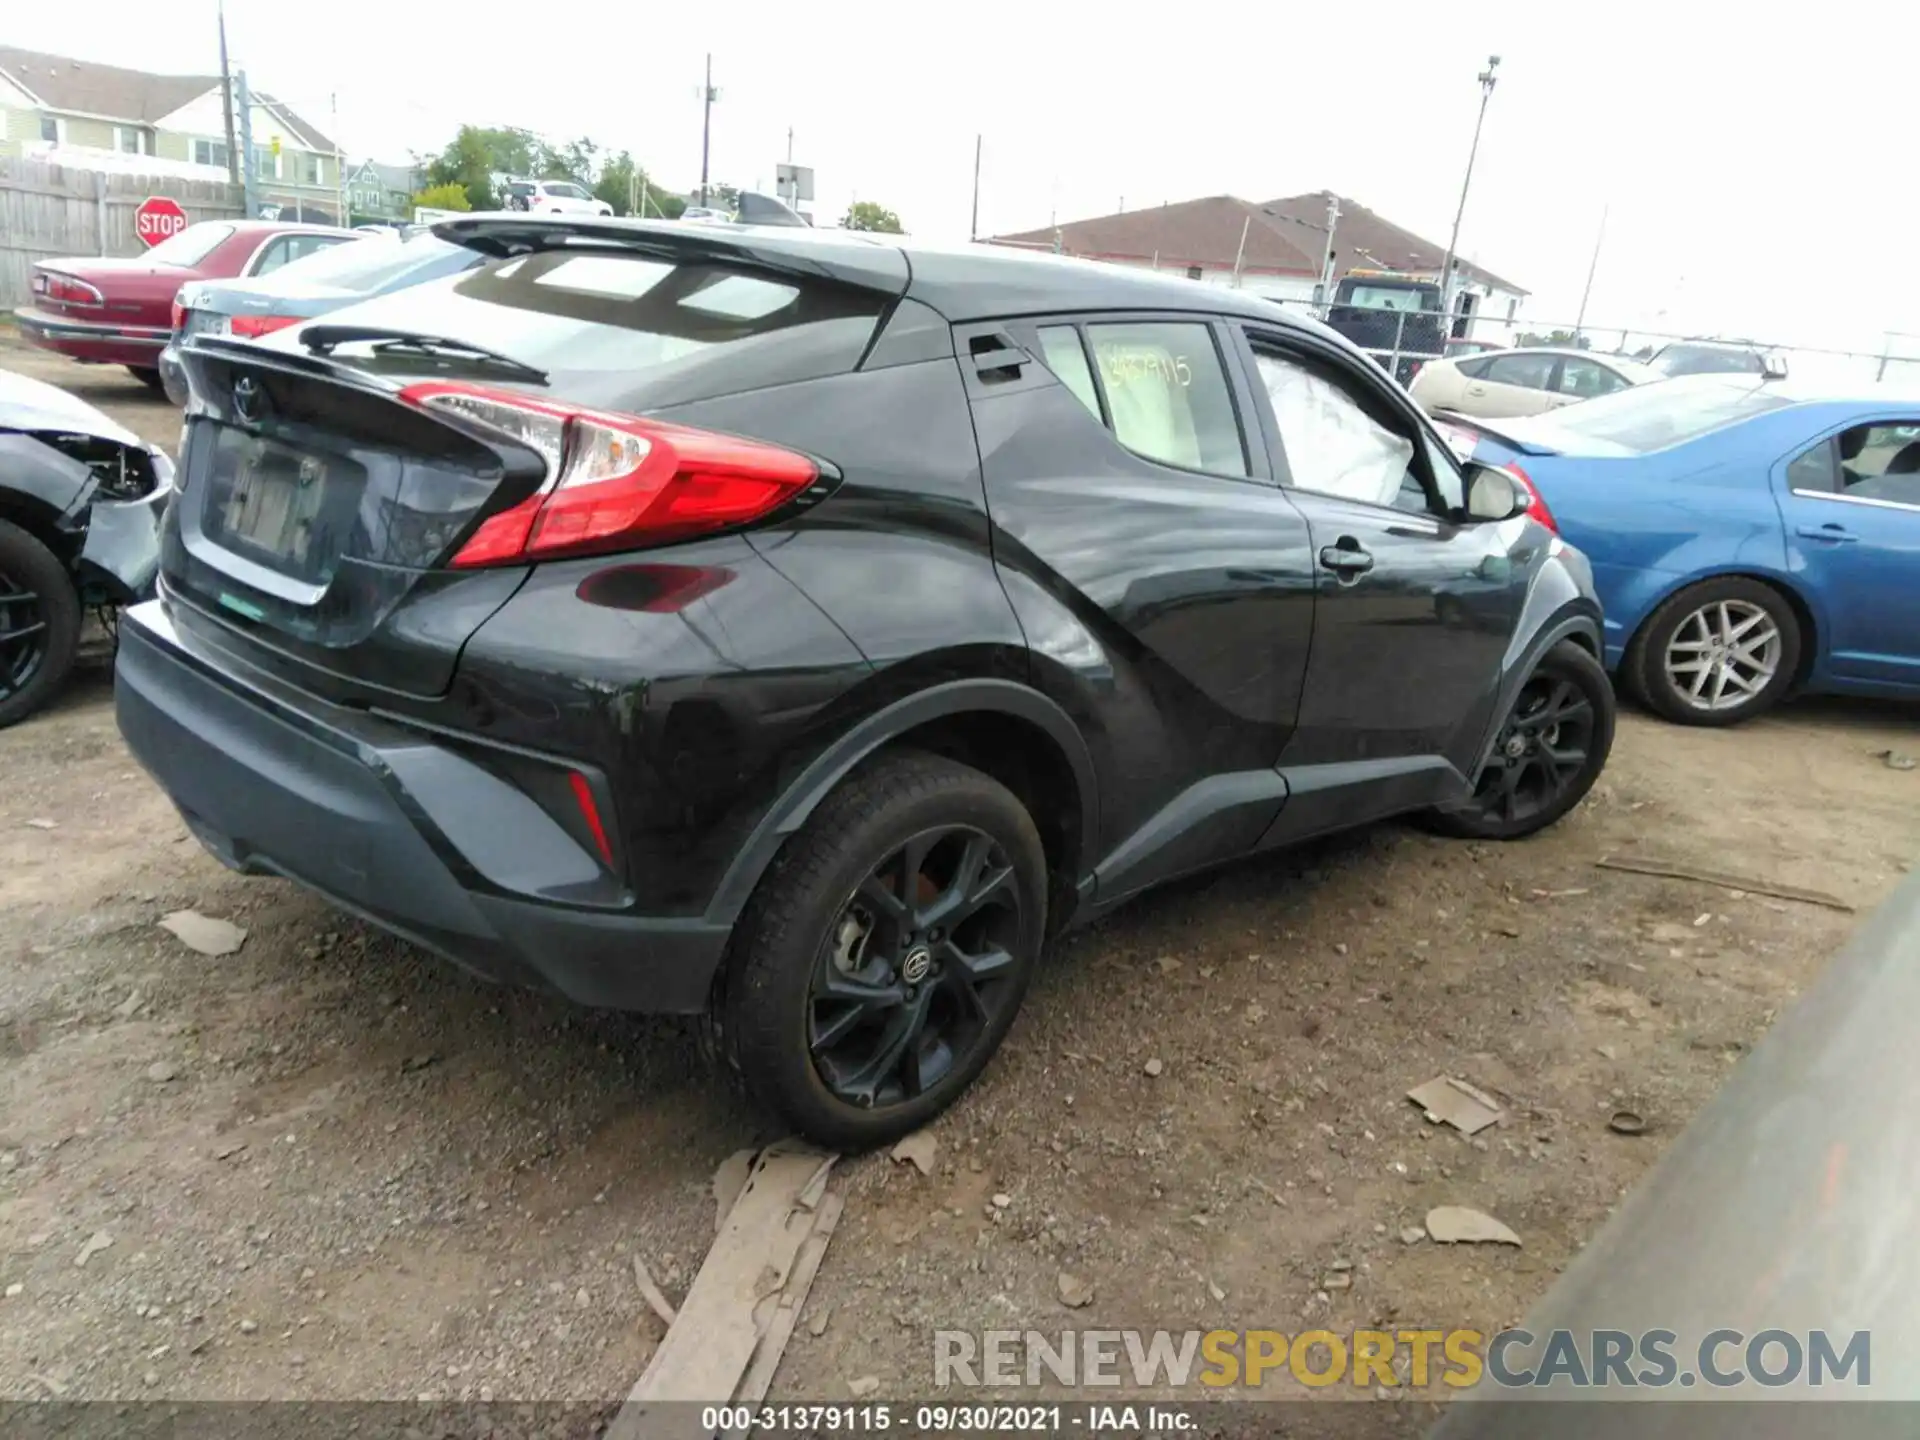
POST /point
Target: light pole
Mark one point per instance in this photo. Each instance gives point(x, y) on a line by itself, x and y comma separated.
point(707, 96)
point(1453, 242)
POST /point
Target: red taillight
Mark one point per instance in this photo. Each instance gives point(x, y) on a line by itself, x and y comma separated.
point(590, 812)
point(252, 327)
point(179, 316)
point(69, 291)
point(1536, 502)
point(614, 482)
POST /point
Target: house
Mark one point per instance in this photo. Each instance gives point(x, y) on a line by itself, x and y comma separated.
point(74, 112)
point(380, 192)
point(1275, 248)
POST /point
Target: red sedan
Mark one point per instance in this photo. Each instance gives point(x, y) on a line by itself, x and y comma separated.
point(103, 311)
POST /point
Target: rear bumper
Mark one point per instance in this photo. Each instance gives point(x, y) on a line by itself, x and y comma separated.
point(92, 340)
point(387, 824)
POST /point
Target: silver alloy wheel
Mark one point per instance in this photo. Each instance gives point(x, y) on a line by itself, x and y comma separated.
point(1723, 655)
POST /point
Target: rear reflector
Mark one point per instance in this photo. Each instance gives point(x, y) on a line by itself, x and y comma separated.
point(252, 327)
point(1536, 502)
point(614, 482)
point(590, 812)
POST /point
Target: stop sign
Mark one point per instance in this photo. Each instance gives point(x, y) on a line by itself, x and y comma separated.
point(158, 218)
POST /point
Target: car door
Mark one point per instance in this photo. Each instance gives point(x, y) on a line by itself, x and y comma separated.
point(1415, 607)
point(1152, 561)
point(1851, 502)
point(1519, 383)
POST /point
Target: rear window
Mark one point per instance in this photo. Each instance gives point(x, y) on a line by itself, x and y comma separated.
point(191, 245)
point(369, 263)
point(1393, 297)
point(520, 188)
point(1664, 414)
point(617, 327)
point(1706, 360)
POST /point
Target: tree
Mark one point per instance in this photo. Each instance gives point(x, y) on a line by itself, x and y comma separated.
point(443, 197)
point(867, 215)
point(469, 161)
point(625, 184)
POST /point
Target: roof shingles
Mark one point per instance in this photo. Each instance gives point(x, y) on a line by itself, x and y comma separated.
point(80, 87)
point(1285, 236)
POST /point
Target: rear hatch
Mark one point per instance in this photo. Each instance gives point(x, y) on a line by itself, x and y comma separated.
point(314, 515)
point(326, 497)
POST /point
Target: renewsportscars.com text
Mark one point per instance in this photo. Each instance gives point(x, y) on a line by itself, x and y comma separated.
point(1459, 1359)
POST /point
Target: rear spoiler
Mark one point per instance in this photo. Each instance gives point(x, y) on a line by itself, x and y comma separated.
point(796, 251)
point(1445, 419)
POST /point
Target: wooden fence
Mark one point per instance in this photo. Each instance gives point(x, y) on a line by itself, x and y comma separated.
point(51, 210)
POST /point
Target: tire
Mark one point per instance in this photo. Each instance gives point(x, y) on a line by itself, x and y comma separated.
point(1694, 617)
point(30, 674)
point(149, 378)
point(813, 926)
point(1565, 707)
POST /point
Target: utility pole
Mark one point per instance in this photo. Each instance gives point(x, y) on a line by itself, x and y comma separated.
point(339, 170)
point(707, 96)
point(1592, 266)
point(1453, 241)
point(243, 102)
point(226, 99)
point(1241, 254)
point(973, 228)
point(1326, 260)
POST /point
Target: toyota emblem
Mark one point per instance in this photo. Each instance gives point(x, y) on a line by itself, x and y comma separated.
point(249, 402)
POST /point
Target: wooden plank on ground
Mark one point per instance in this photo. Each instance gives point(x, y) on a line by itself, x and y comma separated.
point(733, 1300)
point(788, 1304)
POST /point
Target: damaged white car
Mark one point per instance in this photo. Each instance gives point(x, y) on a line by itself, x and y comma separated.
point(80, 504)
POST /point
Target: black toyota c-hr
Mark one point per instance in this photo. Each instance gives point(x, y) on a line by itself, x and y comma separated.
point(803, 628)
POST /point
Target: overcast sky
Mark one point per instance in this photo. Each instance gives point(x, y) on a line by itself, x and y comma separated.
point(1757, 159)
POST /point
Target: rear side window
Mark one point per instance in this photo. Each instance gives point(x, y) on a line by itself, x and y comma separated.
point(1473, 369)
point(1531, 372)
point(1168, 395)
point(617, 327)
point(1066, 357)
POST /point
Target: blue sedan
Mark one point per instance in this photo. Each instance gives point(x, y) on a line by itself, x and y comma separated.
point(1750, 537)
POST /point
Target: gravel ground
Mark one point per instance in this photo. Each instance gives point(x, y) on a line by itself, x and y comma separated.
point(328, 1166)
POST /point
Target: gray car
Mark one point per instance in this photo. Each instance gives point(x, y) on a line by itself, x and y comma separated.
point(315, 285)
point(80, 503)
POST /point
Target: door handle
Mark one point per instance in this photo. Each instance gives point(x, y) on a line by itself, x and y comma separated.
point(1832, 534)
point(1476, 389)
point(1347, 559)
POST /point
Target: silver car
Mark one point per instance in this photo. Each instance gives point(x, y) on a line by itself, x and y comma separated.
point(315, 285)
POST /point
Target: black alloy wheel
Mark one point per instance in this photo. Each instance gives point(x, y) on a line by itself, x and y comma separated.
point(39, 623)
point(915, 969)
point(23, 635)
point(1547, 754)
point(884, 955)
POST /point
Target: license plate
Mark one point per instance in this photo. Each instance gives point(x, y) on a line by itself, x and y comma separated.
point(275, 500)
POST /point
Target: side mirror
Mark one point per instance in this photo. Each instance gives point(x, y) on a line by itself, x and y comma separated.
point(1773, 365)
point(1493, 494)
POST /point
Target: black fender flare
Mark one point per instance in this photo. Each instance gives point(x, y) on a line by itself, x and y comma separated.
point(939, 702)
point(1576, 619)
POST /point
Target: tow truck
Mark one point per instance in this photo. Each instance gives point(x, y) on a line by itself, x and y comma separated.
point(1393, 315)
